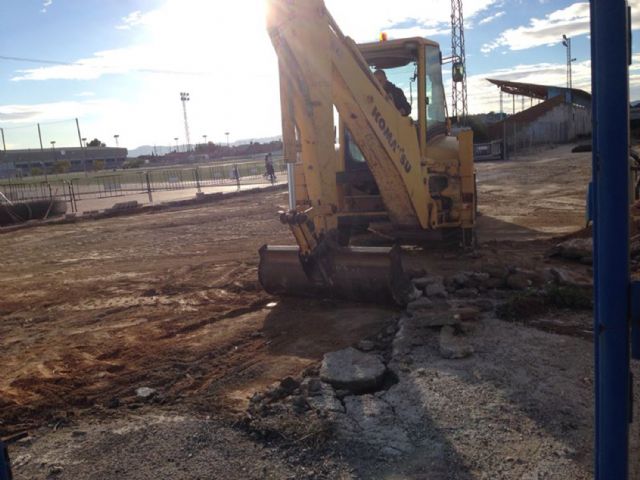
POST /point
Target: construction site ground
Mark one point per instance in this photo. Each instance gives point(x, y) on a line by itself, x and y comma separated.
point(93, 311)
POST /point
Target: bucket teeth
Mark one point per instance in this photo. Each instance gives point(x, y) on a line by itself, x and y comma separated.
point(361, 274)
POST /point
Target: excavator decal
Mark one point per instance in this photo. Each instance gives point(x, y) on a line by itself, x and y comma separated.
point(388, 135)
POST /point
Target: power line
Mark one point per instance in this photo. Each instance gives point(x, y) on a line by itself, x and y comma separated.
point(96, 67)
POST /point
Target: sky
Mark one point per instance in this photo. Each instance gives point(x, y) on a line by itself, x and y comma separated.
point(119, 67)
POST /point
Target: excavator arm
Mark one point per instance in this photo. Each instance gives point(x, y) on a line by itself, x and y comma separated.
point(321, 69)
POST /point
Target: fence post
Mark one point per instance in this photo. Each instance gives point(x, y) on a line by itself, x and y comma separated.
point(198, 179)
point(146, 175)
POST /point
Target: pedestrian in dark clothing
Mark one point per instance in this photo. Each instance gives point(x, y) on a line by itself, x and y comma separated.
point(398, 96)
point(236, 175)
point(270, 172)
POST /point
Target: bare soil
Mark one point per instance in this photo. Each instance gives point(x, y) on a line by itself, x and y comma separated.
point(92, 311)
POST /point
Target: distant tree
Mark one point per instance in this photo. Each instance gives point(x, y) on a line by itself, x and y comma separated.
point(134, 162)
point(96, 143)
point(62, 166)
point(98, 165)
point(36, 171)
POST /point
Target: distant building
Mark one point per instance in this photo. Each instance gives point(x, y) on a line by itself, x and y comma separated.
point(560, 115)
point(49, 160)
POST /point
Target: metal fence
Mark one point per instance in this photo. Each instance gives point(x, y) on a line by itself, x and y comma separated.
point(126, 183)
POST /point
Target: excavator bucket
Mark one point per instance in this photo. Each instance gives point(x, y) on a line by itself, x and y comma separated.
point(360, 274)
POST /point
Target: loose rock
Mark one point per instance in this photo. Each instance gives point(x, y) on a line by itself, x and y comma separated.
point(145, 392)
point(289, 385)
point(437, 319)
point(366, 345)
point(467, 292)
point(453, 346)
point(436, 290)
point(420, 304)
point(352, 370)
point(518, 281)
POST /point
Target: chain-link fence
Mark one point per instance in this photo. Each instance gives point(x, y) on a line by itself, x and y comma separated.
point(74, 188)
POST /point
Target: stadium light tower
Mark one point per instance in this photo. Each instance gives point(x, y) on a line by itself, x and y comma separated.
point(184, 97)
point(116, 137)
point(459, 69)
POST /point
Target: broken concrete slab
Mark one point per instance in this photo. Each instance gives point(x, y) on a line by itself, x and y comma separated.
point(573, 249)
point(352, 370)
point(435, 319)
point(422, 303)
point(436, 290)
point(453, 346)
point(371, 420)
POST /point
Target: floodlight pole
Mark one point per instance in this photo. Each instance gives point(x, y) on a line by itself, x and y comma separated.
point(184, 98)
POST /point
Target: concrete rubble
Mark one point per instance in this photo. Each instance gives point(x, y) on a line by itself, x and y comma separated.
point(352, 370)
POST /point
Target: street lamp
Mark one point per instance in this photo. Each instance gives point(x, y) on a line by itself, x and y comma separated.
point(53, 151)
point(227, 134)
point(205, 139)
point(84, 155)
point(116, 137)
point(177, 148)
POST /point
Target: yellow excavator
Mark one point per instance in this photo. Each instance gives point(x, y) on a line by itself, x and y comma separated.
point(356, 162)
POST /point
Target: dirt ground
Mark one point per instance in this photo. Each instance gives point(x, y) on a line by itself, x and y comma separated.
point(94, 310)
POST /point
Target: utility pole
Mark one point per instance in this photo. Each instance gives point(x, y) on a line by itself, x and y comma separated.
point(184, 97)
point(566, 41)
point(4, 146)
point(459, 69)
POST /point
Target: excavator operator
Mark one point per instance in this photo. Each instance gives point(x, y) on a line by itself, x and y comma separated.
point(399, 98)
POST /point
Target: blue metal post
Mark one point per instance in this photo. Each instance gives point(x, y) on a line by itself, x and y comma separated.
point(610, 88)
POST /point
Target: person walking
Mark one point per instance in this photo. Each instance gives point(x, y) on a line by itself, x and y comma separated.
point(236, 175)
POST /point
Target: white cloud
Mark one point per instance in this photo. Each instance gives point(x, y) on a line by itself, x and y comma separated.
point(45, 5)
point(571, 21)
point(231, 75)
point(399, 18)
point(131, 20)
point(491, 18)
point(85, 94)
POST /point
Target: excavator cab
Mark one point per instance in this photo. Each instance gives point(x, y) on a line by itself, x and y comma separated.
point(413, 65)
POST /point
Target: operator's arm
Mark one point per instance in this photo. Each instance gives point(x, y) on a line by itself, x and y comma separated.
point(400, 100)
